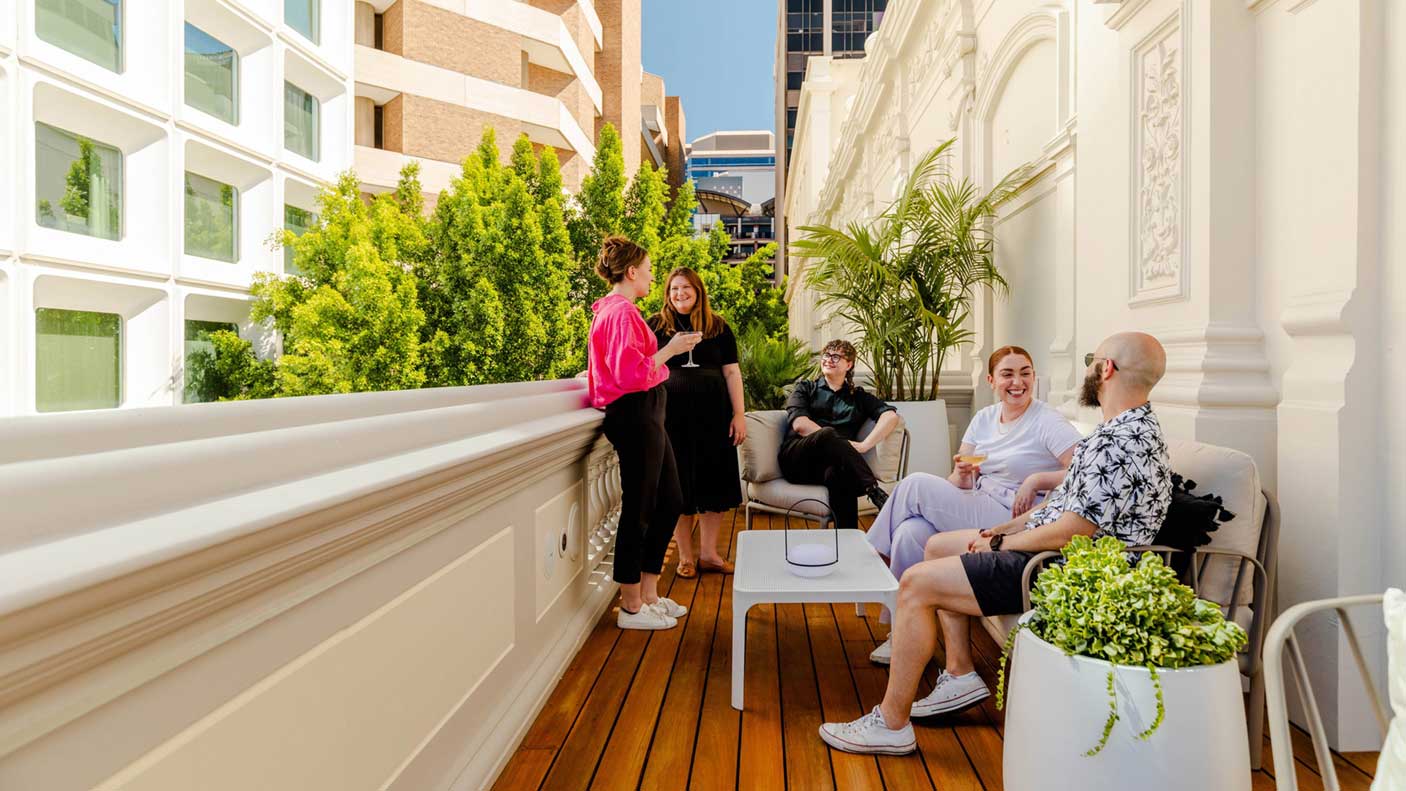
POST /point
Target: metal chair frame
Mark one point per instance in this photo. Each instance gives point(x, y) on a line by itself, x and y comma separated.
point(1280, 642)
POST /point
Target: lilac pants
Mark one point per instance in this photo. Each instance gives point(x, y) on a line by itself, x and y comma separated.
point(923, 505)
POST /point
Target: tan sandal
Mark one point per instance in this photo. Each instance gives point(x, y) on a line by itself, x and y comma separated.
point(687, 570)
point(722, 568)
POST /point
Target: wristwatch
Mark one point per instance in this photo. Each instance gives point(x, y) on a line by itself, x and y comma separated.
point(996, 541)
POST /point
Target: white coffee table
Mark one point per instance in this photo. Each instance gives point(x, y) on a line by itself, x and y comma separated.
point(762, 577)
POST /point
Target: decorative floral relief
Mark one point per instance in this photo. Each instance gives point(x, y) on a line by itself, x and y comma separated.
point(1159, 177)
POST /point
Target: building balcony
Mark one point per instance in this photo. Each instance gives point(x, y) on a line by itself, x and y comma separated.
point(381, 76)
point(542, 35)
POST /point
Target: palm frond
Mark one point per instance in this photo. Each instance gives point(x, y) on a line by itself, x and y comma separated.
point(905, 280)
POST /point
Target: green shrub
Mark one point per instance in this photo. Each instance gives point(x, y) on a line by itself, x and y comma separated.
point(770, 366)
point(1096, 604)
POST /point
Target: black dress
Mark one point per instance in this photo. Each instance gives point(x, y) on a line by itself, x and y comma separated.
point(697, 419)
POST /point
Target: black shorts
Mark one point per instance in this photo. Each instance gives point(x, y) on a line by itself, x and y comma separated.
point(995, 578)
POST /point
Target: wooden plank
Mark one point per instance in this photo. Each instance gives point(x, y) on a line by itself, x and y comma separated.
point(839, 700)
point(622, 758)
point(575, 764)
point(907, 771)
point(719, 724)
point(1350, 777)
point(761, 759)
point(530, 764)
point(670, 757)
point(555, 720)
point(807, 757)
point(526, 769)
point(1364, 761)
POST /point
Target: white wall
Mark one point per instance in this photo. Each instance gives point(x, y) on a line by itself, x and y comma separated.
point(1221, 175)
point(142, 112)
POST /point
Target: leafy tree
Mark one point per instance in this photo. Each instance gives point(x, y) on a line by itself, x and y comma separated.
point(497, 280)
point(598, 211)
point(230, 370)
point(645, 206)
point(351, 321)
point(679, 221)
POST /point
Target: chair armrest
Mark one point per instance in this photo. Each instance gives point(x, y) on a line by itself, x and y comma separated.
point(1032, 566)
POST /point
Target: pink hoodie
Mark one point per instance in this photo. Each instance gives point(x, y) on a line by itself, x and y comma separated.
point(621, 349)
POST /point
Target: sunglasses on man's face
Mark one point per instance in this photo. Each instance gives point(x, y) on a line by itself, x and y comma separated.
point(1090, 357)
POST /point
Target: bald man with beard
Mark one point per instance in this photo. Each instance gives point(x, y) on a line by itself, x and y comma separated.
point(1118, 484)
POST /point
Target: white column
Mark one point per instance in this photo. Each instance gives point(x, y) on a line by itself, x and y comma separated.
point(1331, 487)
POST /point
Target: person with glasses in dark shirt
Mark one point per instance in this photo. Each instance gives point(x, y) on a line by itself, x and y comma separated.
point(821, 446)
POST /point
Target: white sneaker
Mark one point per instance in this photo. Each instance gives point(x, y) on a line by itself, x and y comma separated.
point(669, 607)
point(883, 654)
point(952, 694)
point(869, 734)
point(647, 618)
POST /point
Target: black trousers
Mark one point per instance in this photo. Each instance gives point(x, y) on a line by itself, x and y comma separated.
point(826, 458)
point(650, 500)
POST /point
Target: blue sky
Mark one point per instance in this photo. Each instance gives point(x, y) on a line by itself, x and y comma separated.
point(717, 55)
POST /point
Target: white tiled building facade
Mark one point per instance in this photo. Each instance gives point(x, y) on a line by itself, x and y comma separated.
point(151, 148)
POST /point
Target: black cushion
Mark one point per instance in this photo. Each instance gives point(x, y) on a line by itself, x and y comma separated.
point(1190, 521)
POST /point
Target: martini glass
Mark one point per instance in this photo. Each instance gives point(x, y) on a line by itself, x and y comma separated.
point(690, 363)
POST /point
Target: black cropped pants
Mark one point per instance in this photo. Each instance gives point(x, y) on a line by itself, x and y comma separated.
point(826, 458)
point(650, 500)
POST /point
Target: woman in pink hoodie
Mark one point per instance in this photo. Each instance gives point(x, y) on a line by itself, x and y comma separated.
point(626, 375)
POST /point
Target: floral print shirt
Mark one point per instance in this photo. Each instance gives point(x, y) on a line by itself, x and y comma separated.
point(1119, 479)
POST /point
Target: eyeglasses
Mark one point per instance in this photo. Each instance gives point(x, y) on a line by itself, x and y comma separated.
point(1090, 357)
point(832, 357)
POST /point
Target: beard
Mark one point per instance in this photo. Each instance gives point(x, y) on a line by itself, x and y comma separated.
point(1088, 394)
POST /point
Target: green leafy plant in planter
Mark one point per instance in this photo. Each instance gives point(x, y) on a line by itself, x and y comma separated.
point(906, 279)
point(770, 365)
point(1097, 604)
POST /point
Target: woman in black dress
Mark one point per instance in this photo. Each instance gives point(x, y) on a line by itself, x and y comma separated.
point(704, 418)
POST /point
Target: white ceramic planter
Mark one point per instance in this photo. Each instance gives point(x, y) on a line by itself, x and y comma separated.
point(929, 446)
point(1056, 707)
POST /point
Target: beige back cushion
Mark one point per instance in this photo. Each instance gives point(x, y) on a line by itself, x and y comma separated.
point(765, 430)
point(1232, 475)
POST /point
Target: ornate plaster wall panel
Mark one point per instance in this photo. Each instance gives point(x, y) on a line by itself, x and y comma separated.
point(1158, 199)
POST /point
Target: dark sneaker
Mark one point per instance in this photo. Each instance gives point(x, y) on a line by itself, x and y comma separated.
point(878, 497)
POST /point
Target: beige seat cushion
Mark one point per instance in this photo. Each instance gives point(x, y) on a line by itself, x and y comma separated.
point(781, 493)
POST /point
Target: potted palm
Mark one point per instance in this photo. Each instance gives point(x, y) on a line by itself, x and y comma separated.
point(905, 281)
point(1122, 678)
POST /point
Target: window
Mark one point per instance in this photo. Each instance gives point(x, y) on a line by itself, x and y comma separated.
point(304, 16)
point(198, 349)
point(77, 360)
point(211, 211)
point(300, 121)
point(212, 75)
point(794, 80)
point(77, 183)
point(90, 29)
point(298, 221)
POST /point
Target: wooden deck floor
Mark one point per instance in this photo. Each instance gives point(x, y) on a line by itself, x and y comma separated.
point(651, 710)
